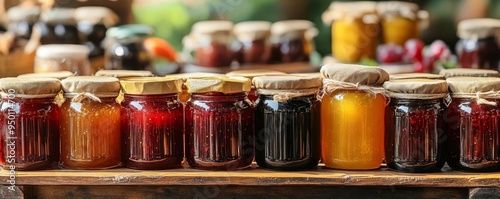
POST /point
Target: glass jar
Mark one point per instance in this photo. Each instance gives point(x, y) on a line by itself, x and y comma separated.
point(287, 122)
point(184, 95)
point(94, 26)
point(29, 122)
point(468, 72)
point(478, 46)
point(292, 41)
point(21, 20)
point(253, 45)
point(63, 57)
point(400, 21)
point(219, 124)
point(210, 41)
point(472, 120)
point(152, 120)
point(355, 30)
point(250, 74)
point(90, 123)
point(352, 116)
point(58, 26)
point(415, 137)
point(125, 48)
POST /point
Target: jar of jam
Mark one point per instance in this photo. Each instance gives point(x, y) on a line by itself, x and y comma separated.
point(29, 122)
point(90, 123)
point(58, 26)
point(478, 46)
point(415, 136)
point(287, 122)
point(352, 116)
point(355, 30)
point(21, 20)
point(468, 72)
point(219, 124)
point(250, 74)
point(184, 95)
point(400, 21)
point(94, 26)
point(292, 41)
point(63, 57)
point(125, 48)
point(152, 123)
point(472, 120)
point(253, 45)
point(210, 41)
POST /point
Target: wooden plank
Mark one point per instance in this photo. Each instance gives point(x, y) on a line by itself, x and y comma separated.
point(254, 177)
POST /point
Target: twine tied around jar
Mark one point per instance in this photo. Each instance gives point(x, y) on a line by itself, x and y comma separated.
point(79, 97)
point(285, 95)
point(480, 97)
point(330, 86)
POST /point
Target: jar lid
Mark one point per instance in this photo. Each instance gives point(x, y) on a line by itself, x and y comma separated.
point(24, 13)
point(62, 51)
point(415, 76)
point(56, 75)
point(287, 26)
point(253, 73)
point(129, 30)
point(151, 85)
point(365, 10)
point(416, 88)
point(287, 82)
point(226, 85)
point(59, 16)
point(252, 30)
point(474, 87)
point(186, 76)
point(94, 85)
point(124, 73)
point(404, 9)
point(355, 74)
point(478, 28)
point(468, 72)
point(307, 74)
point(100, 15)
point(212, 27)
point(30, 87)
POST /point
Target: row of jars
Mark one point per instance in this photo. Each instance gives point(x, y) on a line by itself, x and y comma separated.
point(361, 118)
point(255, 42)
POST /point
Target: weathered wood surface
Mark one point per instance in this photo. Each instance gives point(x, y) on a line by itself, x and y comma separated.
point(254, 177)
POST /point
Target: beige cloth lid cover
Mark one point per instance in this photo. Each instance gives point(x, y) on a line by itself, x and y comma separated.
point(253, 73)
point(95, 85)
point(468, 87)
point(293, 29)
point(96, 15)
point(252, 30)
point(405, 9)
point(286, 87)
point(186, 76)
point(355, 74)
point(57, 75)
point(468, 72)
point(415, 76)
point(479, 28)
point(226, 85)
point(30, 87)
point(21, 13)
point(365, 10)
point(417, 88)
point(151, 85)
point(59, 16)
point(124, 73)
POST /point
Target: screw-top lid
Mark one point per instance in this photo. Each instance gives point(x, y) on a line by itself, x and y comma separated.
point(24, 13)
point(364, 10)
point(399, 8)
point(478, 28)
point(253, 73)
point(124, 73)
point(252, 30)
point(151, 85)
point(62, 51)
point(29, 87)
point(468, 72)
point(355, 74)
point(415, 76)
point(56, 75)
point(480, 88)
point(93, 85)
point(96, 15)
point(130, 30)
point(417, 88)
point(59, 16)
point(226, 85)
point(186, 76)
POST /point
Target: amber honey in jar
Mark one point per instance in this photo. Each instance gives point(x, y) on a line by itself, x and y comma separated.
point(252, 95)
point(468, 72)
point(210, 41)
point(292, 41)
point(352, 116)
point(219, 124)
point(184, 95)
point(401, 21)
point(355, 30)
point(93, 22)
point(252, 45)
point(90, 123)
point(478, 45)
point(29, 123)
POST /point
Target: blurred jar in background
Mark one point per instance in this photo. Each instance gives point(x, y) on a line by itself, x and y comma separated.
point(252, 45)
point(63, 57)
point(355, 30)
point(21, 20)
point(93, 22)
point(58, 26)
point(292, 40)
point(400, 21)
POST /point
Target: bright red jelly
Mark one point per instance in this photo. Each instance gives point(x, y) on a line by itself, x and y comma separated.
point(152, 131)
point(219, 131)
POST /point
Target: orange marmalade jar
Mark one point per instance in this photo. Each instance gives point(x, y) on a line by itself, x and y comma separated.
point(90, 123)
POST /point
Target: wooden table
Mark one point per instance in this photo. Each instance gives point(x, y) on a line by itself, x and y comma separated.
point(249, 183)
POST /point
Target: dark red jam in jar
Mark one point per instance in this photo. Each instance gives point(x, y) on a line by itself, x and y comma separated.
point(472, 120)
point(219, 124)
point(58, 26)
point(292, 41)
point(414, 131)
point(211, 43)
point(152, 123)
point(478, 46)
point(250, 74)
point(253, 45)
point(94, 26)
point(29, 122)
point(287, 122)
